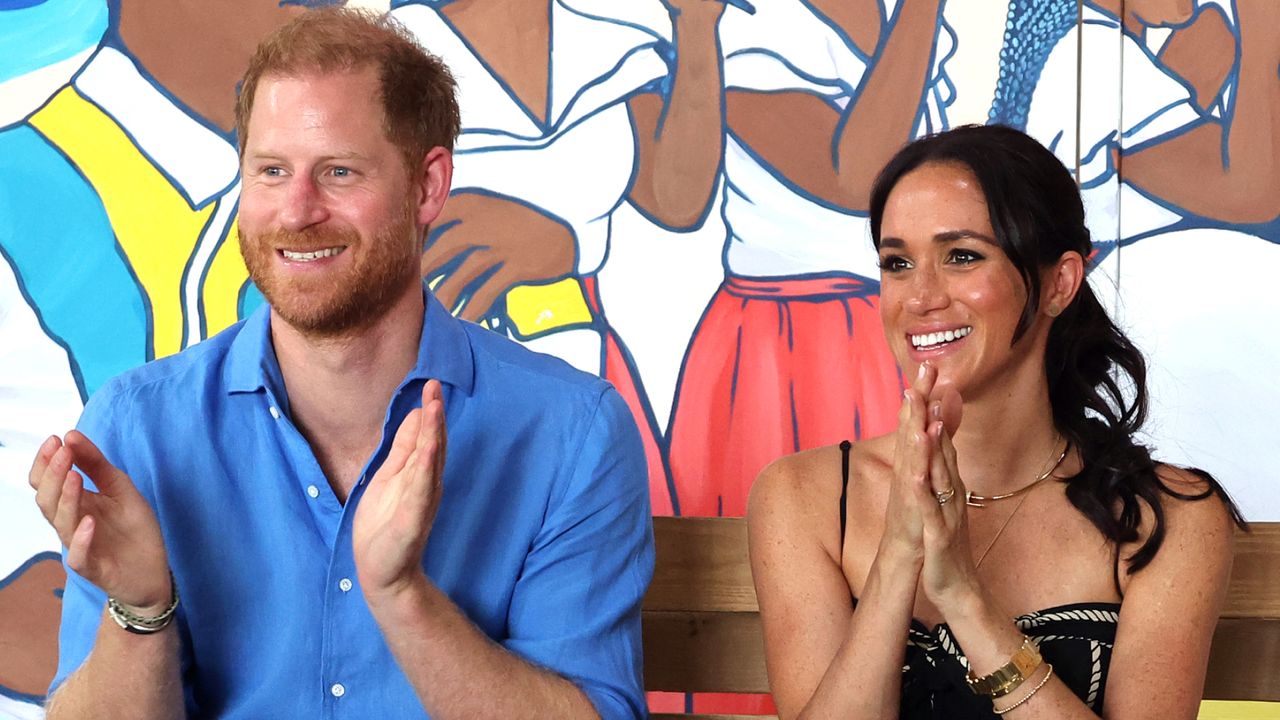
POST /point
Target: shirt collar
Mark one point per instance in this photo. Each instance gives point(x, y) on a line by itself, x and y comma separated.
point(444, 353)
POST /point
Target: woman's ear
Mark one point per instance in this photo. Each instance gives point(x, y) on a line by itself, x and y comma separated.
point(1061, 283)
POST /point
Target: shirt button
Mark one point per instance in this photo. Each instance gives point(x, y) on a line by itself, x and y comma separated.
point(344, 585)
point(275, 412)
point(337, 690)
point(313, 491)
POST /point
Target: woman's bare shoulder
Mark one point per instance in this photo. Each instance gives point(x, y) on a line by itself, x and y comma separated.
point(1198, 526)
point(810, 481)
point(1194, 505)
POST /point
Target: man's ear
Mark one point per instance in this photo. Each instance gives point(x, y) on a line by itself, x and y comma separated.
point(431, 182)
point(1061, 283)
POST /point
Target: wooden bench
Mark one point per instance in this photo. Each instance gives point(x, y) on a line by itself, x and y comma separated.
point(702, 624)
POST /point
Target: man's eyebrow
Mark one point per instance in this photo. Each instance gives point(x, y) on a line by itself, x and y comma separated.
point(949, 236)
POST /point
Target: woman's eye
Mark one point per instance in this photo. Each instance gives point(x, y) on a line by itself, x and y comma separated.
point(893, 263)
point(963, 257)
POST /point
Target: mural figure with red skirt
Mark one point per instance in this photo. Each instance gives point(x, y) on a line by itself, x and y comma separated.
point(790, 352)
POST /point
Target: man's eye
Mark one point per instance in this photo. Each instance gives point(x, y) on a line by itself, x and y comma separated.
point(273, 172)
point(893, 263)
point(341, 172)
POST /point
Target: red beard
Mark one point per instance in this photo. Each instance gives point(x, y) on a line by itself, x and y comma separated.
point(335, 303)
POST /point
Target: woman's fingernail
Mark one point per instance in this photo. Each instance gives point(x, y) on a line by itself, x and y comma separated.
point(920, 373)
point(935, 410)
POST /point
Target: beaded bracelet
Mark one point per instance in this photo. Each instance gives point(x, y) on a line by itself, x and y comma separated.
point(1034, 690)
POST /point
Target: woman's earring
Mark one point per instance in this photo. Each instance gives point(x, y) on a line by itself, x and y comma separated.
point(1054, 310)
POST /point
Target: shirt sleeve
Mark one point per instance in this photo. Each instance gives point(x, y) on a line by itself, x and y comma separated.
point(576, 607)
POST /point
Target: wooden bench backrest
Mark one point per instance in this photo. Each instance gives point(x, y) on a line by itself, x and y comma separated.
point(702, 624)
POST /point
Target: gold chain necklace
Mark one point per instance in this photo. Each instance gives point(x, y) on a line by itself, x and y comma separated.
point(973, 499)
point(999, 532)
point(1020, 491)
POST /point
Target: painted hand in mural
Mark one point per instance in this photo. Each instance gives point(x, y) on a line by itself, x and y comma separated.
point(1202, 53)
point(484, 244)
point(399, 506)
point(832, 154)
point(112, 537)
point(1225, 169)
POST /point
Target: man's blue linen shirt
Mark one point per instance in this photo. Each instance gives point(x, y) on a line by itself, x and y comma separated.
point(543, 535)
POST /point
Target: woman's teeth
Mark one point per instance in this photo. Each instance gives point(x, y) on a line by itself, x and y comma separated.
point(939, 338)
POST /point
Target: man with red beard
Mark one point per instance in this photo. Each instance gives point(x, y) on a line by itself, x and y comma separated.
point(243, 490)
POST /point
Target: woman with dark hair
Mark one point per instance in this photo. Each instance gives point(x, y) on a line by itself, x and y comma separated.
point(1011, 547)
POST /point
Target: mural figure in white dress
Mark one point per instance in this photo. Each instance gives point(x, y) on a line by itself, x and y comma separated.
point(1178, 160)
point(570, 108)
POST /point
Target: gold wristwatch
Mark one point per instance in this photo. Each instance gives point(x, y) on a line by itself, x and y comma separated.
point(1007, 679)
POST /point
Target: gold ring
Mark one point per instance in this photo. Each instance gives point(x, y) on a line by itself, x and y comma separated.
point(945, 496)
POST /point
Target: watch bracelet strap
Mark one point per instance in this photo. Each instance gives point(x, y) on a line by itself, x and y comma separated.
point(138, 624)
point(1006, 679)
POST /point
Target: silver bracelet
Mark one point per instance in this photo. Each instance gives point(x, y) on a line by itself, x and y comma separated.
point(138, 624)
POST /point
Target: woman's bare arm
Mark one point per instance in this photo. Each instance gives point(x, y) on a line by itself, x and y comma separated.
point(824, 659)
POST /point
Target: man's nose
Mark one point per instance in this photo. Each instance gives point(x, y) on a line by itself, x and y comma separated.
point(303, 204)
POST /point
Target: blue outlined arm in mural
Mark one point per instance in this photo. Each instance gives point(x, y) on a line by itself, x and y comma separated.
point(1203, 54)
point(1229, 169)
point(837, 156)
point(484, 243)
point(680, 133)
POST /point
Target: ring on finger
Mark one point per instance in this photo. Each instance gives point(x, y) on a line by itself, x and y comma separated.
point(945, 496)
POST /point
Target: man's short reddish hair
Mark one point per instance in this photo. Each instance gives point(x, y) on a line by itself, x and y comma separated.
point(418, 93)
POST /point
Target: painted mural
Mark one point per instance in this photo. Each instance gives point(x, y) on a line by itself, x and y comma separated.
point(667, 193)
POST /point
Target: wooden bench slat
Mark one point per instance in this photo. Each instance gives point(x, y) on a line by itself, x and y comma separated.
point(724, 652)
point(702, 627)
point(704, 652)
point(1254, 591)
point(1242, 663)
point(702, 566)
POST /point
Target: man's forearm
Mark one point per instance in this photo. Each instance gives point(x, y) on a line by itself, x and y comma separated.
point(126, 676)
point(458, 672)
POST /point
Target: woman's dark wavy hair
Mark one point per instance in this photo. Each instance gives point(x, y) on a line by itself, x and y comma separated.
point(1037, 216)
